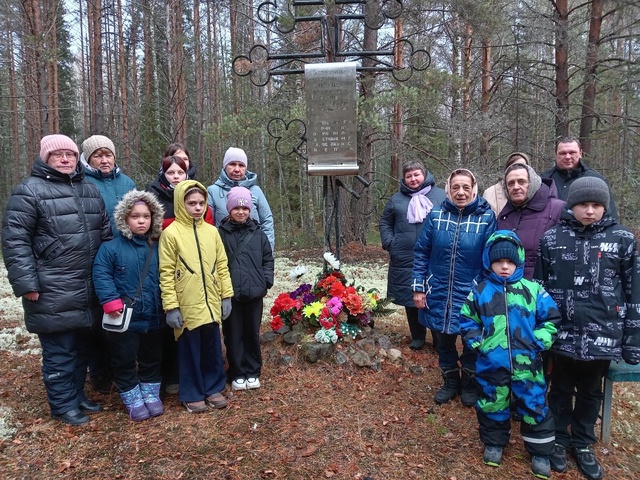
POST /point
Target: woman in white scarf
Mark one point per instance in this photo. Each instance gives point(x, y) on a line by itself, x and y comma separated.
point(400, 226)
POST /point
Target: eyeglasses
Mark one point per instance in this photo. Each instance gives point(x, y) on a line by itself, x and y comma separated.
point(59, 155)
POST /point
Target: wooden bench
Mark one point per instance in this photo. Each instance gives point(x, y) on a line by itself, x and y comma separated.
point(618, 372)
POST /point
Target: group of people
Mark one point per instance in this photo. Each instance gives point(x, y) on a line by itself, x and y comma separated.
point(80, 243)
point(540, 283)
point(536, 277)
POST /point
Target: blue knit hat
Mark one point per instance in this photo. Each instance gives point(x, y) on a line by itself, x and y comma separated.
point(504, 249)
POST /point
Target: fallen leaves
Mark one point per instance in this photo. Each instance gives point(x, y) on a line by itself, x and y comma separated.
point(307, 421)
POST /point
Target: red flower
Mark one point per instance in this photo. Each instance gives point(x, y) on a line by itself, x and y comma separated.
point(284, 302)
point(327, 282)
point(276, 323)
point(353, 302)
point(337, 290)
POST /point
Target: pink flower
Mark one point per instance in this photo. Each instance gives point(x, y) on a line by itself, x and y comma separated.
point(335, 305)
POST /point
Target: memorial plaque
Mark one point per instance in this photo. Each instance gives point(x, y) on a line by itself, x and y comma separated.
point(332, 118)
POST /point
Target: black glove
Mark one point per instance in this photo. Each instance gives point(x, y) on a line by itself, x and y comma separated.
point(630, 358)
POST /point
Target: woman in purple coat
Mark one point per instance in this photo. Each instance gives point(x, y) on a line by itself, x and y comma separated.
point(532, 208)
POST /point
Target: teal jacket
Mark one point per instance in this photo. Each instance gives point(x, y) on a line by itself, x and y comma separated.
point(112, 187)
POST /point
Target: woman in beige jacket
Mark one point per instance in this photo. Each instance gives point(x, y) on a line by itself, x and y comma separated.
point(495, 194)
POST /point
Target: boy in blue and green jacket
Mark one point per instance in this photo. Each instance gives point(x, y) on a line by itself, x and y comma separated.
point(510, 321)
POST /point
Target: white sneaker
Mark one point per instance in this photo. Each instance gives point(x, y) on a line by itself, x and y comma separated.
point(253, 383)
point(239, 384)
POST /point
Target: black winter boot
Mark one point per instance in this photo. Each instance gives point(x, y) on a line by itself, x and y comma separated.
point(469, 394)
point(451, 386)
point(418, 331)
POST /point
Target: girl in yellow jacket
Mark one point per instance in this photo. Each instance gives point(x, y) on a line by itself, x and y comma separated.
point(196, 296)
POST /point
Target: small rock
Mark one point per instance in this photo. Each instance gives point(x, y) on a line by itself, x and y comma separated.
point(268, 337)
point(368, 345)
point(341, 358)
point(394, 354)
point(314, 351)
point(385, 342)
point(416, 369)
point(365, 331)
point(293, 337)
point(287, 360)
point(283, 329)
point(361, 359)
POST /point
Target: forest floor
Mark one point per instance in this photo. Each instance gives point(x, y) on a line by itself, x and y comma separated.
point(307, 421)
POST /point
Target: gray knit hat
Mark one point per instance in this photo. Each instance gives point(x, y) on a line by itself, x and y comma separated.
point(234, 154)
point(96, 142)
point(588, 189)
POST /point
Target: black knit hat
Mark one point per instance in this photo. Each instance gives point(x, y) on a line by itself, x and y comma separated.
point(504, 249)
point(588, 189)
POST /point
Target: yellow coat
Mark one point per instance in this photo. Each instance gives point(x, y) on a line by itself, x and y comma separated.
point(193, 266)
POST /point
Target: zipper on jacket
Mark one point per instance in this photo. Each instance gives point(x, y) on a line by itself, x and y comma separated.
point(85, 232)
point(508, 327)
point(204, 282)
point(452, 271)
point(186, 265)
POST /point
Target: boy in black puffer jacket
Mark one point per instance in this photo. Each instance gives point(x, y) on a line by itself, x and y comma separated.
point(589, 265)
point(251, 267)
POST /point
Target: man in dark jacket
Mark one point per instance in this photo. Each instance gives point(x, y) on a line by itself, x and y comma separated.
point(53, 226)
point(570, 167)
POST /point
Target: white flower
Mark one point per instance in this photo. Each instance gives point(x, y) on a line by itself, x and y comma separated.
point(326, 336)
point(331, 260)
point(297, 272)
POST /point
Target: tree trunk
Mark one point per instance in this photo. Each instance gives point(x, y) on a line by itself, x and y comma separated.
point(34, 78)
point(359, 208)
point(135, 93)
point(398, 130)
point(52, 66)
point(126, 147)
point(199, 77)
point(13, 105)
point(561, 16)
point(454, 135)
point(591, 65)
point(485, 98)
point(96, 84)
point(466, 93)
point(233, 37)
point(83, 75)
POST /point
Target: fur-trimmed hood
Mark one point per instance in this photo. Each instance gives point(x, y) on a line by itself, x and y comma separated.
point(124, 207)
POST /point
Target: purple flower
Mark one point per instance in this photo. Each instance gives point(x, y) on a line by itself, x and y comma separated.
point(308, 298)
point(302, 289)
point(364, 318)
